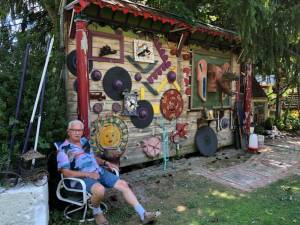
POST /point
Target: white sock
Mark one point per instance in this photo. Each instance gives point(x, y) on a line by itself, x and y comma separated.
point(97, 210)
point(140, 210)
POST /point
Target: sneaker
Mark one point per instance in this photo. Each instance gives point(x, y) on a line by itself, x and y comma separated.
point(150, 217)
point(100, 219)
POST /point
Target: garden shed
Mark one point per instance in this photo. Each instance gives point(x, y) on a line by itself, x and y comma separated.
point(144, 81)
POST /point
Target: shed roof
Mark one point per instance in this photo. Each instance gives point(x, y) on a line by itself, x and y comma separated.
point(175, 22)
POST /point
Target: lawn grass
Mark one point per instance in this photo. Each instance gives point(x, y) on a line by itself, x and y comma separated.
point(194, 200)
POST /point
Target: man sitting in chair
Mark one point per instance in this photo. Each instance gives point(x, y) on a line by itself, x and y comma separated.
point(72, 154)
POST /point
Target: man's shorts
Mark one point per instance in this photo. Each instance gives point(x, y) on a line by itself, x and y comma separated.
point(107, 179)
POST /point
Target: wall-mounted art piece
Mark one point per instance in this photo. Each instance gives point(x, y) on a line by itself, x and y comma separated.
point(143, 51)
point(215, 67)
point(163, 66)
point(105, 47)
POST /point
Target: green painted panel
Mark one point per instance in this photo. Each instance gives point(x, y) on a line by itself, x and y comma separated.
point(213, 98)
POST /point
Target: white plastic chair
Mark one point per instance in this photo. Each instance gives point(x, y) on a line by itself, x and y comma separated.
point(76, 195)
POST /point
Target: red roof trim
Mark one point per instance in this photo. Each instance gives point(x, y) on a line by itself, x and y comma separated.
point(137, 10)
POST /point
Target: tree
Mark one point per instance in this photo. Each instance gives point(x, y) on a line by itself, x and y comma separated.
point(24, 22)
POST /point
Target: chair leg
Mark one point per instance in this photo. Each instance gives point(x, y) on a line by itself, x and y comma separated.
point(67, 213)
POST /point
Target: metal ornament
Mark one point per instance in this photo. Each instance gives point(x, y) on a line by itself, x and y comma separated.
point(115, 82)
point(144, 116)
point(206, 141)
point(72, 63)
point(97, 108)
point(96, 75)
point(116, 107)
point(224, 123)
point(130, 104)
point(109, 137)
point(171, 104)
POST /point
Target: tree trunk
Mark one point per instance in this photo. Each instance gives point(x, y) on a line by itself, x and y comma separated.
point(298, 100)
point(278, 102)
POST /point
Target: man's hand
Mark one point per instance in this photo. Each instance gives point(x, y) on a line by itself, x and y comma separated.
point(94, 175)
point(112, 166)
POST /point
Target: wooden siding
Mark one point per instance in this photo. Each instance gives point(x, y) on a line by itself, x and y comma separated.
point(134, 154)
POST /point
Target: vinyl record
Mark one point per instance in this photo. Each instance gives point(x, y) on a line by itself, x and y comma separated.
point(144, 116)
point(116, 80)
point(72, 60)
point(206, 141)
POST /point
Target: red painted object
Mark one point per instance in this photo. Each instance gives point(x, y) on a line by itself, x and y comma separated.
point(248, 98)
point(82, 74)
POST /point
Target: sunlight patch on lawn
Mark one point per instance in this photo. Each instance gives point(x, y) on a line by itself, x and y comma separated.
point(224, 195)
point(181, 208)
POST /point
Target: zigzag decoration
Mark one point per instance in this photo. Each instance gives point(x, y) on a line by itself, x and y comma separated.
point(147, 69)
point(165, 64)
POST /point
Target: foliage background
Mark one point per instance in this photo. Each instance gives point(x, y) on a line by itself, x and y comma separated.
point(23, 22)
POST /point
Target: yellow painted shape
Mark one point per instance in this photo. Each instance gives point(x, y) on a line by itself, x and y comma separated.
point(162, 85)
point(142, 93)
point(156, 108)
point(176, 85)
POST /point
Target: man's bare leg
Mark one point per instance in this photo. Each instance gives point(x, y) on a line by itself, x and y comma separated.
point(98, 191)
point(131, 199)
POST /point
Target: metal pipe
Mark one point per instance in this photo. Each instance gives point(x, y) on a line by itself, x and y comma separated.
point(28, 132)
point(41, 107)
point(20, 97)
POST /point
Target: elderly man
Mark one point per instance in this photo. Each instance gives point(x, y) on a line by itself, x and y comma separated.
point(75, 159)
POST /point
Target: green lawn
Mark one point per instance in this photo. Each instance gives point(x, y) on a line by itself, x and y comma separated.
point(187, 200)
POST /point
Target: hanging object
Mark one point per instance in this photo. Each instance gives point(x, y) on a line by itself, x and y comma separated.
point(224, 123)
point(150, 88)
point(202, 79)
point(115, 82)
point(138, 77)
point(143, 51)
point(130, 104)
point(106, 50)
point(109, 137)
point(152, 147)
point(206, 141)
point(144, 114)
point(96, 75)
point(72, 63)
point(137, 65)
point(116, 107)
point(97, 96)
point(97, 108)
point(171, 104)
point(171, 76)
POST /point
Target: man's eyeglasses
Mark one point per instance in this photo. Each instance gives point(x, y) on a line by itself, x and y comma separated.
point(76, 130)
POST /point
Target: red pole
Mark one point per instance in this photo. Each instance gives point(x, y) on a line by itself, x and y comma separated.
point(248, 98)
point(82, 74)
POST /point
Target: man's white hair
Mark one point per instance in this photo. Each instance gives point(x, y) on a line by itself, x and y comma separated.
point(73, 122)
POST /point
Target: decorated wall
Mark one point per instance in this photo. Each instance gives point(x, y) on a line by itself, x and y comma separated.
point(146, 103)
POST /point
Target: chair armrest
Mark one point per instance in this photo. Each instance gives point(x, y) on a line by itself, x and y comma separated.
point(77, 180)
point(116, 172)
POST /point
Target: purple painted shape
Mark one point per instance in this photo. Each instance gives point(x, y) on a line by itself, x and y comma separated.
point(118, 84)
point(116, 107)
point(162, 51)
point(158, 71)
point(168, 64)
point(165, 64)
point(150, 79)
point(97, 108)
point(165, 57)
point(154, 75)
point(171, 76)
point(138, 76)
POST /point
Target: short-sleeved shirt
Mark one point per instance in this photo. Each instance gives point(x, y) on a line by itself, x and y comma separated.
point(71, 156)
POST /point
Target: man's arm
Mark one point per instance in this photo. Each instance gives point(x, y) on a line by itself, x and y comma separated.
point(103, 162)
point(79, 174)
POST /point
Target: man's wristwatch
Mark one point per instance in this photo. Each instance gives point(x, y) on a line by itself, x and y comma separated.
point(105, 163)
